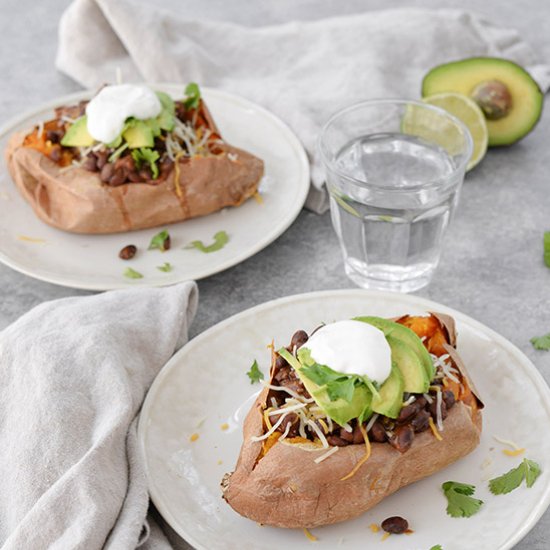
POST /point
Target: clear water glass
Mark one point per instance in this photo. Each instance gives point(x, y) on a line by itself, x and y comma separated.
point(394, 169)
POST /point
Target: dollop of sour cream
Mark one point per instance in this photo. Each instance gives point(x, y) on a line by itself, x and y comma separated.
point(110, 108)
point(352, 347)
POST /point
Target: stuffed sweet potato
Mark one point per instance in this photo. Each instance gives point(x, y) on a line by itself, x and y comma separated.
point(298, 467)
point(161, 170)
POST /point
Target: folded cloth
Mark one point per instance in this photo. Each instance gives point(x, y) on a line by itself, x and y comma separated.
point(74, 374)
point(302, 71)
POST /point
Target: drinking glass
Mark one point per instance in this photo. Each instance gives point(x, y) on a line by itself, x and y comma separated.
point(394, 169)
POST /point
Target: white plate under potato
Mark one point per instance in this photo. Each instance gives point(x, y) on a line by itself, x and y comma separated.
point(203, 386)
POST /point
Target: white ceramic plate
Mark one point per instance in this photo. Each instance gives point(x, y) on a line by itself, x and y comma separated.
point(91, 261)
point(205, 385)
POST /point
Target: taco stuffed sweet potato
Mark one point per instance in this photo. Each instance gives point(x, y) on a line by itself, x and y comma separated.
point(322, 447)
point(163, 169)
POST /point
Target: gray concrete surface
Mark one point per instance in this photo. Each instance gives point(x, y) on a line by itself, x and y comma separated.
point(492, 267)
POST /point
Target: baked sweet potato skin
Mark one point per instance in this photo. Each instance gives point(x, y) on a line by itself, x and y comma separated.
point(286, 488)
point(76, 200)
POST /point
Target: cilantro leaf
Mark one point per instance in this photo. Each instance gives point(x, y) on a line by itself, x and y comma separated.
point(341, 389)
point(255, 374)
point(192, 96)
point(147, 156)
point(437, 547)
point(161, 241)
point(167, 102)
point(532, 472)
point(512, 479)
point(547, 248)
point(320, 374)
point(166, 267)
point(132, 274)
point(460, 503)
point(541, 342)
point(221, 238)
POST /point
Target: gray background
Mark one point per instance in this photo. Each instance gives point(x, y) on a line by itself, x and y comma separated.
point(492, 267)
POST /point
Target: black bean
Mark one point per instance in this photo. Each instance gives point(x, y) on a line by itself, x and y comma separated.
point(118, 178)
point(346, 436)
point(421, 402)
point(134, 177)
point(90, 163)
point(299, 338)
point(357, 435)
point(395, 525)
point(433, 409)
point(282, 374)
point(449, 398)
point(421, 421)
point(280, 362)
point(101, 157)
point(402, 438)
point(378, 433)
point(294, 422)
point(106, 172)
point(54, 135)
point(408, 411)
point(335, 441)
point(55, 153)
point(128, 252)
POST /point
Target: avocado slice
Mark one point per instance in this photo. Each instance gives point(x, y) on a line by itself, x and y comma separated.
point(407, 336)
point(507, 94)
point(77, 135)
point(139, 134)
point(415, 376)
point(339, 410)
point(389, 400)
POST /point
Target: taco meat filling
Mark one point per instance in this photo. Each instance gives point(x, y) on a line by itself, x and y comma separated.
point(295, 414)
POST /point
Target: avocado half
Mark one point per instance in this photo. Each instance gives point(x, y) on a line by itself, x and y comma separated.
point(507, 94)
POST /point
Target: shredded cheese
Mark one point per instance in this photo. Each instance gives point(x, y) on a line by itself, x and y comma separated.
point(508, 442)
point(324, 456)
point(439, 405)
point(224, 426)
point(266, 418)
point(31, 239)
point(365, 458)
point(371, 422)
point(258, 198)
point(194, 437)
point(310, 536)
point(374, 528)
point(517, 452)
point(386, 535)
point(434, 429)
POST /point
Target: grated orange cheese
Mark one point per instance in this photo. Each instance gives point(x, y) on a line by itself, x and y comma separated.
point(179, 192)
point(309, 535)
point(374, 528)
point(515, 452)
point(194, 437)
point(258, 198)
point(30, 239)
point(266, 418)
point(365, 458)
point(386, 535)
point(434, 429)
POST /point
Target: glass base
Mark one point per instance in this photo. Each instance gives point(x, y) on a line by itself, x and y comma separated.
point(388, 277)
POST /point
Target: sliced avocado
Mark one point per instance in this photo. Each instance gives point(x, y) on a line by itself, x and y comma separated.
point(389, 400)
point(507, 94)
point(339, 410)
point(415, 376)
point(407, 336)
point(77, 135)
point(139, 134)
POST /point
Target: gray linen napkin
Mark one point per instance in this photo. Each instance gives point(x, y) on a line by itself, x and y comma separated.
point(74, 373)
point(302, 71)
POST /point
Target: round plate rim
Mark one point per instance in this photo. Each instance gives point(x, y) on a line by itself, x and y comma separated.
point(427, 304)
point(292, 212)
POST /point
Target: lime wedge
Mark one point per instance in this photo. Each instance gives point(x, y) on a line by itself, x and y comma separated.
point(467, 111)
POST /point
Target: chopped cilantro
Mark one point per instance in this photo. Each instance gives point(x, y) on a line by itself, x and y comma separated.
point(192, 96)
point(255, 374)
point(512, 479)
point(547, 248)
point(541, 342)
point(221, 238)
point(460, 503)
point(148, 156)
point(132, 274)
point(166, 267)
point(161, 241)
point(437, 547)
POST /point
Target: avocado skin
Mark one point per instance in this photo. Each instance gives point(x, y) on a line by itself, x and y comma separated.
point(390, 397)
point(414, 375)
point(465, 75)
point(407, 337)
point(77, 135)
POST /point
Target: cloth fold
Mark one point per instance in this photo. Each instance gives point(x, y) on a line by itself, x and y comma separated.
point(74, 374)
point(301, 71)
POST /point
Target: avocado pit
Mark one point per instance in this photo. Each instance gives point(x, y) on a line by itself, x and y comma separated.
point(494, 98)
